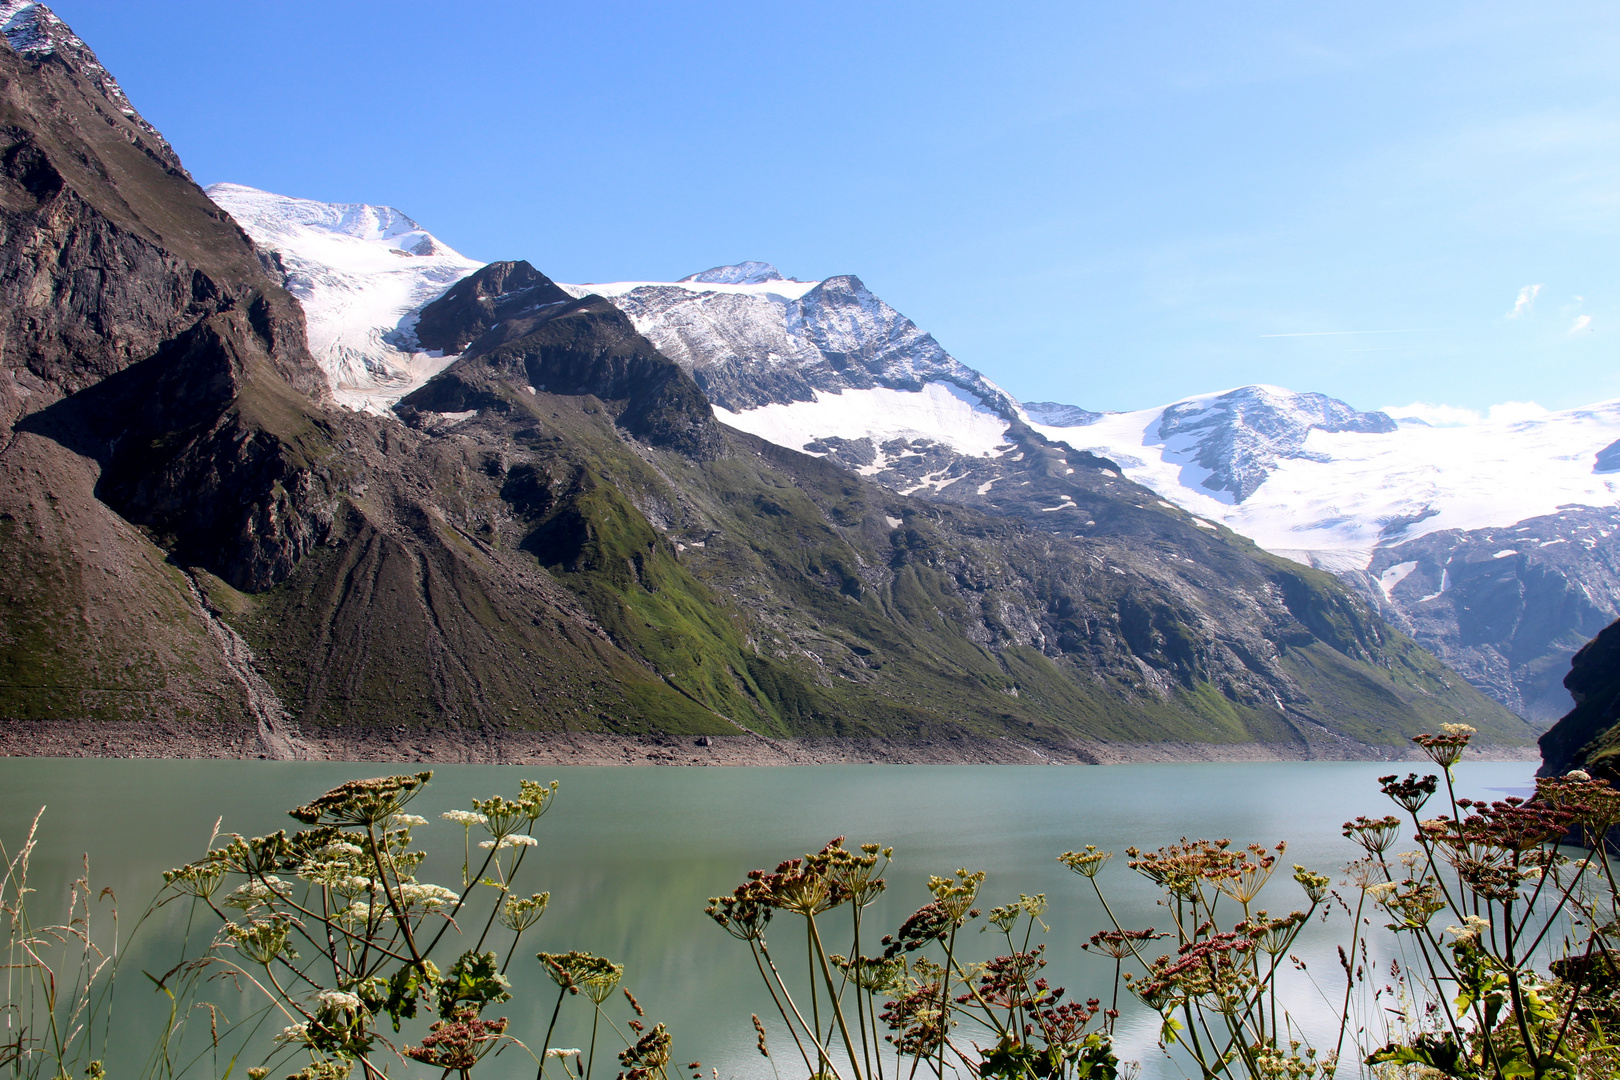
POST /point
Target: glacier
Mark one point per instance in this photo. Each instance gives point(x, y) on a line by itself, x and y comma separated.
point(361, 273)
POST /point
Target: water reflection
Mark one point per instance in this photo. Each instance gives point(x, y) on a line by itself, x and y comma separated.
point(631, 855)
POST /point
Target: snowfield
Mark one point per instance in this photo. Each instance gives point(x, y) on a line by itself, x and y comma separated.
point(1348, 491)
point(361, 273)
point(938, 412)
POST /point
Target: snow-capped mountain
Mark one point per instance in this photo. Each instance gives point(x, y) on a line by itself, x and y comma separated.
point(1496, 543)
point(361, 273)
point(1303, 473)
point(752, 338)
point(1385, 503)
point(828, 368)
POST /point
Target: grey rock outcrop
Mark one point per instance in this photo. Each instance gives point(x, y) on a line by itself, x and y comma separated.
point(1240, 436)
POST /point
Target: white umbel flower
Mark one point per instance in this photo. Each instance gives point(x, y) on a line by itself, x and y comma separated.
point(415, 894)
point(464, 817)
point(337, 999)
point(515, 840)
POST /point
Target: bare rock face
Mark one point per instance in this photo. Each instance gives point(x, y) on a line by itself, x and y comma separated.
point(141, 329)
point(485, 298)
point(510, 319)
point(1588, 737)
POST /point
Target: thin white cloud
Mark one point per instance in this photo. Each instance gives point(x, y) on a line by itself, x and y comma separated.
point(1525, 302)
point(1581, 323)
point(1508, 412)
point(1435, 415)
point(1349, 333)
point(1512, 412)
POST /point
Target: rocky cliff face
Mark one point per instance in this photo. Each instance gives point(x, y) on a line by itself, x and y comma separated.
point(1508, 608)
point(1589, 736)
point(143, 351)
point(763, 347)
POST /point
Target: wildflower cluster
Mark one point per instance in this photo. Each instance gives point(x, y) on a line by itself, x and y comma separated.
point(1217, 994)
point(919, 987)
point(1509, 990)
point(333, 923)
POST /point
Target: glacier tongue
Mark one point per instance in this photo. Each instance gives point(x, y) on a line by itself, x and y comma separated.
point(362, 273)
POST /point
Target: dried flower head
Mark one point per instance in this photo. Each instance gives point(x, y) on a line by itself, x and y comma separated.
point(363, 802)
point(1446, 748)
point(457, 1042)
point(1315, 885)
point(1375, 835)
point(195, 879)
point(580, 972)
point(1410, 793)
point(1119, 944)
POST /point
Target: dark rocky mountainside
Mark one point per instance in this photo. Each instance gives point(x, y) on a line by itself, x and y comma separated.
point(1507, 608)
point(1589, 736)
point(559, 536)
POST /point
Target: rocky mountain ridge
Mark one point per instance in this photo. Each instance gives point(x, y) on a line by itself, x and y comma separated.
point(1355, 493)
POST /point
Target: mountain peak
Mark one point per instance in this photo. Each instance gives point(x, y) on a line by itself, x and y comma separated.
point(36, 33)
point(363, 221)
point(33, 30)
point(745, 273)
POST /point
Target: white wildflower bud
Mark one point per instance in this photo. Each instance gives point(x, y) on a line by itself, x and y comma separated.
point(294, 1033)
point(337, 999)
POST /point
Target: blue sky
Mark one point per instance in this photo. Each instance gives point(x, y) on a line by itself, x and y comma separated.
point(1112, 205)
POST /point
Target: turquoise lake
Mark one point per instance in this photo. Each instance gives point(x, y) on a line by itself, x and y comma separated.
point(631, 855)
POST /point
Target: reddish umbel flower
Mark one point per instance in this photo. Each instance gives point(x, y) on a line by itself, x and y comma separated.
point(458, 1043)
point(1410, 793)
point(1211, 966)
point(931, 922)
point(648, 1057)
point(1120, 943)
point(1005, 983)
point(1446, 749)
point(1595, 804)
point(1183, 869)
point(746, 911)
point(1063, 1024)
point(918, 1020)
point(1375, 835)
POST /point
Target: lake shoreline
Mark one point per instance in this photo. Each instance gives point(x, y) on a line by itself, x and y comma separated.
point(81, 739)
